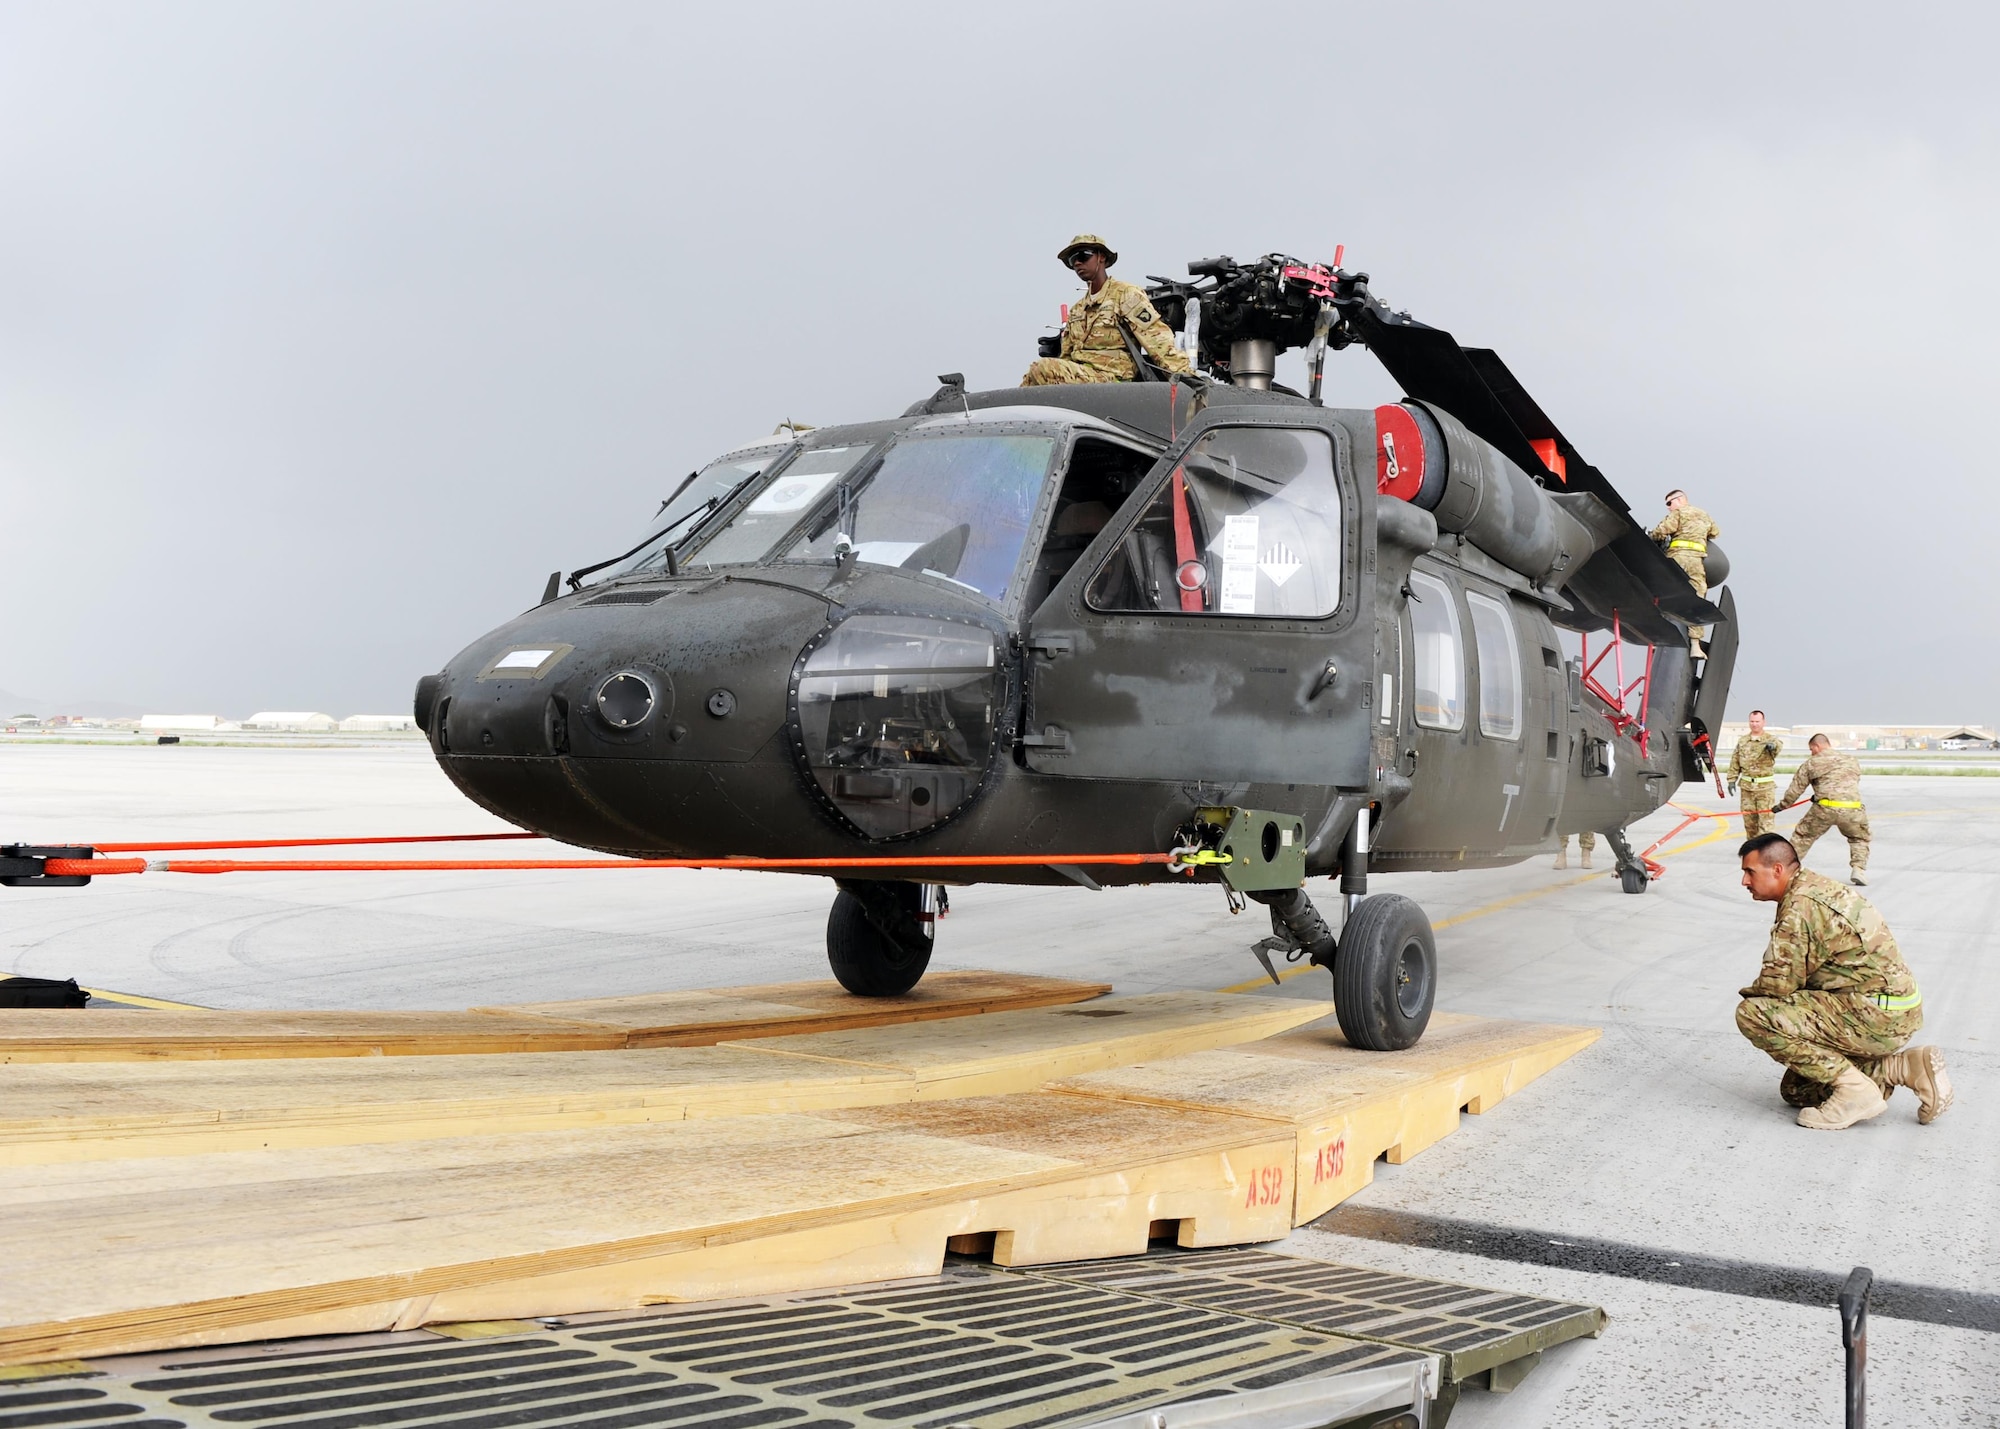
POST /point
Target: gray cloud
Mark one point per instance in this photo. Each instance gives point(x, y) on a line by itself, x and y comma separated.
point(326, 331)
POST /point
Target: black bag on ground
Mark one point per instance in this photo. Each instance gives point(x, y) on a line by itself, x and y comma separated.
point(41, 992)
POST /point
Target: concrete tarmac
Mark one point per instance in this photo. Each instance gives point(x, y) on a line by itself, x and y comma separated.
point(1666, 1139)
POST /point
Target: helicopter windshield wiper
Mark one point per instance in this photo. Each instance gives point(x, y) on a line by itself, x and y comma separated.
point(704, 511)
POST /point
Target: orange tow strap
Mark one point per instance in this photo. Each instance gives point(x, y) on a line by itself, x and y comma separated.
point(93, 867)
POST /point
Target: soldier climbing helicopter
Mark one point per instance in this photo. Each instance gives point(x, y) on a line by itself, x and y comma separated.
point(1194, 615)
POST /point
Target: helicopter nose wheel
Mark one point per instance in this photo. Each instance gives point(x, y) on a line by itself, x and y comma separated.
point(878, 937)
point(1385, 974)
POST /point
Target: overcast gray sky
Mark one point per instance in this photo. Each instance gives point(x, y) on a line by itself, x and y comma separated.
point(328, 330)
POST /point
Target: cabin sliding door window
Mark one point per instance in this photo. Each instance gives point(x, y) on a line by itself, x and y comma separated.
point(1499, 667)
point(1438, 667)
point(1247, 524)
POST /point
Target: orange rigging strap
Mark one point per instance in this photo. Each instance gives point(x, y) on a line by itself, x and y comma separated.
point(1184, 552)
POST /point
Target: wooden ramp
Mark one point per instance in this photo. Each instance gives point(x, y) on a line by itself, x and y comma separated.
point(664, 1019)
point(146, 1206)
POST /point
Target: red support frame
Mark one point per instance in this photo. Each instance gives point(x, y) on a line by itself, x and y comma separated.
point(1624, 720)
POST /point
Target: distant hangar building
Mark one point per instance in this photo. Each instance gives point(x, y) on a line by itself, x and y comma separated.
point(377, 724)
point(292, 721)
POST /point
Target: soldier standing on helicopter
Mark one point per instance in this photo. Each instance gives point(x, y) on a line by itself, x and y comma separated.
point(1685, 531)
point(1093, 339)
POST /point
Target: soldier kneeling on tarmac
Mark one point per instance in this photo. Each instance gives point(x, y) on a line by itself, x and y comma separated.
point(1834, 1002)
point(1093, 338)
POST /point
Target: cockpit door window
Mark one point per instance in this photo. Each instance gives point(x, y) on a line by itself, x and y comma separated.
point(1248, 523)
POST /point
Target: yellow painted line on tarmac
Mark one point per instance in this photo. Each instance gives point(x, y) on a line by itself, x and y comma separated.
point(133, 999)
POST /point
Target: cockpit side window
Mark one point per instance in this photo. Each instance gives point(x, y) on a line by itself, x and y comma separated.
point(1100, 476)
point(1249, 523)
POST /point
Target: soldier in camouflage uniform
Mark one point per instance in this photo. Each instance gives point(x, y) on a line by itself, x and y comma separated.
point(1093, 344)
point(1834, 1001)
point(1586, 842)
point(1750, 765)
point(1685, 531)
point(1836, 803)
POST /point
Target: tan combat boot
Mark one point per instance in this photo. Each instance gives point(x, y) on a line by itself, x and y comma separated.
point(1586, 858)
point(1562, 857)
point(1855, 1098)
point(1921, 1069)
point(1859, 878)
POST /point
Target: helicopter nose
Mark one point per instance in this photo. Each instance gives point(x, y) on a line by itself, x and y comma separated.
point(582, 717)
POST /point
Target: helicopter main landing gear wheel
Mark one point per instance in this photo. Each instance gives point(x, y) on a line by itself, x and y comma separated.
point(878, 937)
point(1385, 973)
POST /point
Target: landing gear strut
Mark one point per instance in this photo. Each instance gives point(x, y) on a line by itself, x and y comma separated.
point(1384, 963)
point(879, 936)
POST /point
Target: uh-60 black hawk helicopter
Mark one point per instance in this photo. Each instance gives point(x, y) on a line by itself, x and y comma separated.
point(1201, 614)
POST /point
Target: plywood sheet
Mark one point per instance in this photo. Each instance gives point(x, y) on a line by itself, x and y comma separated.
point(95, 1111)
point(197, 1034)
point(666, 1019)
point(697, 1018)
point(995, 1052)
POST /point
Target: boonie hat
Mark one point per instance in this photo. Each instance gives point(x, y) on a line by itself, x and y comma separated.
point(1085, 240)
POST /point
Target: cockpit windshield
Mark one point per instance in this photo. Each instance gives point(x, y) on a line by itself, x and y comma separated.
point(956, 505)
point(758, 526)
point(709, 486)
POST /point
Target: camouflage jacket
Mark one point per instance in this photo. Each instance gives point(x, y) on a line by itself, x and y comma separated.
point(1828, 938)
point(1754, 756)
point(1690, 523)
point(1092, 337)
point(1832, 776)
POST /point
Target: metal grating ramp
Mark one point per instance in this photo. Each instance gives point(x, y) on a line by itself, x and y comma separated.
point(72, 1404)
point(1472, 1330)
point(974, 1347)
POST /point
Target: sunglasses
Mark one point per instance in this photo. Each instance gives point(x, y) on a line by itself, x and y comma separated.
point(1082, 256)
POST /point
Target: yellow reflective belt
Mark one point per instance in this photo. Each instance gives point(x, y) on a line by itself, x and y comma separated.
point(1757, 779)
point(1898, 1004)
point(1838, 803)
point(1679, 545)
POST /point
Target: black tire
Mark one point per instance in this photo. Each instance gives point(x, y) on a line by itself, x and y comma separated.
point(1633, 880)
point(874, 941)
point(1385, 974)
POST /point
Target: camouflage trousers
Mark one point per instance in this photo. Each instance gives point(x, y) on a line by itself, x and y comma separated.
point(1817, 1035)
point(1852, 823)
point(1757, 800)
point(1695, 569)
point(1058, 371)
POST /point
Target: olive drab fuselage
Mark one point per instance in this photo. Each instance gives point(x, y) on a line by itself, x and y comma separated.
point(1114, 637)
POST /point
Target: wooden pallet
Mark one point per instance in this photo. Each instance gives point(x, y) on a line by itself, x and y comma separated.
point(672, 1019)
point(93, 1112)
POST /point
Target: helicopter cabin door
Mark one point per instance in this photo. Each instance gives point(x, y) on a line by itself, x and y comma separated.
point(1213, 633)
